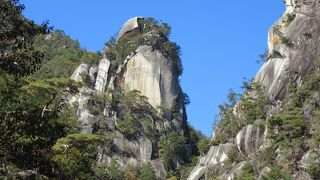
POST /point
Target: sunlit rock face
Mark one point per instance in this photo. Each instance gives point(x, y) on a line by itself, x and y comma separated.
point(146, 70)
point(293, 47)
point(215, 157)
point(152, 74)
point(130, 28)
point(102, 77)
point(81, 70)
point(250, 138)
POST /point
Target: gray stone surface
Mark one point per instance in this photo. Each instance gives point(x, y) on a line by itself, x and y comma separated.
point(85, 118)
point(215, 156)
point(234, 172)
point(303, 32)
point(308, 157)
point(152, 74)
point(250, 138)
point(82, 69)
point(129, 27)
point(102, 76)
point(148, 71)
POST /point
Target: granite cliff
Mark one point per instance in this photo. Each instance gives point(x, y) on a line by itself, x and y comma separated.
point(270, 131)
point(139, 77)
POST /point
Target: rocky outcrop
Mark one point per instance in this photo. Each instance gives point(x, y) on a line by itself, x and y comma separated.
point(215, 156)
point(309, 157)
point(81, 70)
point(263, 172)
point(147, 70)
point(152, 74)
point(250, 138)
point(130, 28)
point(293, 47)
point(234, 172)
point(102, 77)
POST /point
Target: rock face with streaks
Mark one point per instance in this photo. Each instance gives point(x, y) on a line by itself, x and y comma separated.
point(250, 138)
point(293, 55)
point(146, 69)
point(215, 157)
point(102, 77)
point(293, 47)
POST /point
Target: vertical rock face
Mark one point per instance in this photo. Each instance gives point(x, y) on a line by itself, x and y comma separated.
point(102, 77)
point(215, 157)
point(250, 138)
point(294, 46)
point(146, 70)
point(153, 75)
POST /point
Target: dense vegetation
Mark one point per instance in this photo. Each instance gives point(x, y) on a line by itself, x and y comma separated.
point(152, 33)
point(251, 105)
point(293, 129)
point(40, 132)
point(30, 109)
point(63, 52)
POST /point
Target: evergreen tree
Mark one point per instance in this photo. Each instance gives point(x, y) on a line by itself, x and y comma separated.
point(29, 108)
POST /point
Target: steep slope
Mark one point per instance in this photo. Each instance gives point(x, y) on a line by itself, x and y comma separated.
point(134, 99)
point(271, 131)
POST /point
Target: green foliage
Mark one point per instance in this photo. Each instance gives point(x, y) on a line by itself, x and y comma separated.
point(316, 126)
point(63, 52)
point(17, 55)
point(186, 99)
point(264, 57)
point(314, 169)
point(114, 172)
point(75, 155)
point(247, 173)
point(290, 125)
point(226, 125)
point(251, 106)
point(171, 145)
point(152, 33)
point(129, 125)
point(185, 170)
point(136, 115)
point(131, 173)
point(151, 24)
point(31, 119)
point(194, 137)
point(203, 146)
point(147, 172)
point(234, 155)
point(276, 173)
point(286, 41)
point(289, 18)
point(267, 156)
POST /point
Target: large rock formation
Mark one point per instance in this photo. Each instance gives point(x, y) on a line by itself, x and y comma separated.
point(294, 49)
point(147, 70)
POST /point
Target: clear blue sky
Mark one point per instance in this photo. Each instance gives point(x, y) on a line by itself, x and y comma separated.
point(220, 40)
